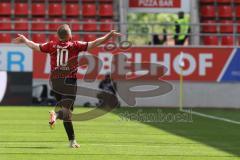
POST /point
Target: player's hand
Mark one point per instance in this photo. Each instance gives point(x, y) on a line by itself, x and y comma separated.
point(20, 39)
point(115, 33)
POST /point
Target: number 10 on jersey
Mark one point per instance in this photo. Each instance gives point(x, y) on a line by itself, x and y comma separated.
point(62, 57)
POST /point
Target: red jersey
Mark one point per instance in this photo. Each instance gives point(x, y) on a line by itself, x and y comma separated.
point(64, 57)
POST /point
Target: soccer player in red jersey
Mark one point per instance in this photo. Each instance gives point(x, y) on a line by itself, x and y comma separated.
point(62, 52)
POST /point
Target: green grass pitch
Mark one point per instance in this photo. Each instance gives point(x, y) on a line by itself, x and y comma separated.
point(25, 135)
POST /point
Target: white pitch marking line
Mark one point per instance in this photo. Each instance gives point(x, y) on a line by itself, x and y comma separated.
point(213, 117)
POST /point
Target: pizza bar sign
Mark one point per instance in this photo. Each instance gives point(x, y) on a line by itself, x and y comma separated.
point(155, 3)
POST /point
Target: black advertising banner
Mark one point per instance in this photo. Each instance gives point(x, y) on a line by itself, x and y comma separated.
point(15, 88)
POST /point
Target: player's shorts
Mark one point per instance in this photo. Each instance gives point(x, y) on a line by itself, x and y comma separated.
point(64, 90)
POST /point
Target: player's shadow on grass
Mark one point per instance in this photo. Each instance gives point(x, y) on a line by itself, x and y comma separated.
point(218, 134)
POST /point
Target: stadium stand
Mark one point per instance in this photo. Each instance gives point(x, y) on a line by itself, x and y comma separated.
point(5, 8)
point(227, 40)
point(38, 9)
point(89, 37)
point(210, 40)
point(89, 10)
point(21, 24)
point(39, 24)
point(225, 11)
point(90, 25)
point(209, 26)
point(73, 22)
point(237, 11)
point(208, 11)
point(21, 9)
point(44, 16)
point(72, 10)
point(55, 23)
point(226, 26)
point(55, 9)
point(106, 10)
point(5, 38)
point(40, 38)
point(53, 37)
point(5, 25)
point(76, 37)
point(221, 19)
point(106, 25)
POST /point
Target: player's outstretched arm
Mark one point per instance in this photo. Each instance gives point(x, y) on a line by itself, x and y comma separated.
point(102, 40)
point(22, 39)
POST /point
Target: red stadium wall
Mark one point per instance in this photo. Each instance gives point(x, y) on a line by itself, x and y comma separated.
point(201, 64)
point(205, 68)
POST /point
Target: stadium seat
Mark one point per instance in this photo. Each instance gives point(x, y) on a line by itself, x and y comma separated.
point(21, 24)
point(224, 1)
point(5, 23)
point(227, 40)
point(208, 11)
point(89, 37)
point(236, 1)
point(72, 9)
point(238, 26)
point(207, 1)
point(55, 9)
point(5, 38)
point(210, 40)
point(87, 1)
point(21, 9)
point(38, 9)
point(15, 35)
point(38, 24)
point(106, 10)
point(76, 37)
point(74, 25)
point(56, 1)
point(89, 10)
point(53, 37)
point(55, 24)
point(225, 11)
point(237, 10)
point(105, 1)
point(72, 1)
point(39, 38)
point(106, 25)
point(226, 26)
point(5, 8)
point(209, 26)
point(90, 25)
point(238, 40)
